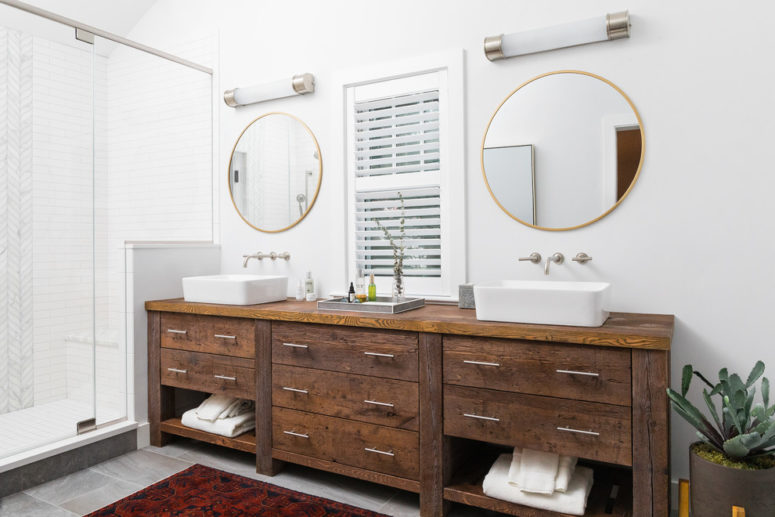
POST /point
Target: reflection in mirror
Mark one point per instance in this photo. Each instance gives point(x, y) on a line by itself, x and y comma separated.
point(510, 173)
point(586, 148)
point(275, 172)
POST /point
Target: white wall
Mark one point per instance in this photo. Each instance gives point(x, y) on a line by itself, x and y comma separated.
point(694, 238)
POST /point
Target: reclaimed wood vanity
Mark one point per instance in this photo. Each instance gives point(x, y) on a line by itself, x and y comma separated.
point(404, 400)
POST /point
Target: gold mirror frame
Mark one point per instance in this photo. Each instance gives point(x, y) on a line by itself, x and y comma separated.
point(320, 172)
point(619, 201)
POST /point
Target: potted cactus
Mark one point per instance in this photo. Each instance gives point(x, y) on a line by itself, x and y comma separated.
point(734, 463)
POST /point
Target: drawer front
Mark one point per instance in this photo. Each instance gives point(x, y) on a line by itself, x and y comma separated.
point(385, 402)
point(357, 444)
point(211, 334)
point(579, 372)
point(378, 353)
point(585, 429)
point(209, 373)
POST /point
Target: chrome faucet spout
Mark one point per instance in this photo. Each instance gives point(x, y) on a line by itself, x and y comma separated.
point(557, 258)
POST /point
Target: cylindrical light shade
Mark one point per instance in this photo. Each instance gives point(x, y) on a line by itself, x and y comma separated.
point(557, 36)
point(297, 85)
point(591, 30)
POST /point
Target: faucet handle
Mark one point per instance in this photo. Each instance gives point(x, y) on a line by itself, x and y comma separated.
point(534, 257)
point(581, 258)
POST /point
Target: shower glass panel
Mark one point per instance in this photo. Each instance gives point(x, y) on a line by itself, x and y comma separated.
point(153, 183)
point(47, 232)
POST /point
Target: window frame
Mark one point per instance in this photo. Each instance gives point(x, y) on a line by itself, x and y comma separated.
point(449, 67)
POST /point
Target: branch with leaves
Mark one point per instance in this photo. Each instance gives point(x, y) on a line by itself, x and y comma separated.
point(399, 248)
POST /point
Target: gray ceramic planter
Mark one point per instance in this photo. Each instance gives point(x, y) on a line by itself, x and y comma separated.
point(716, 489)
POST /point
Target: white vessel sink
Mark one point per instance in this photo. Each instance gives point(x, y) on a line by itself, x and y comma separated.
point(579, 304)
point(235, 289)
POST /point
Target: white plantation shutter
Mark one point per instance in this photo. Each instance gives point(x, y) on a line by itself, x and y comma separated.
point(396, 155)
point(403, 127)
point(422, 230)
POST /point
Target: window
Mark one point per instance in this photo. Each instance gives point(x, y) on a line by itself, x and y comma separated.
point(399, 152)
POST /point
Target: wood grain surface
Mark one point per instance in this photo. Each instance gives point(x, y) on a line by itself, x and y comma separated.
point(346, 441)
point(213, 335)
point(521, 366)
point(346, 395)
point(532, 421)
point(203, 372)
point(388, 354)
point(646, 331)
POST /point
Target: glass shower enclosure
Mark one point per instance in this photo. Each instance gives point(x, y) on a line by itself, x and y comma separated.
point(101, 143)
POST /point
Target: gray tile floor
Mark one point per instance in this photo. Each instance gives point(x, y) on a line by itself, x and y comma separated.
point(93, 488)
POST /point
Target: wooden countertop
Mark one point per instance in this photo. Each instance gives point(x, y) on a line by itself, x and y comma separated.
point(628, 330)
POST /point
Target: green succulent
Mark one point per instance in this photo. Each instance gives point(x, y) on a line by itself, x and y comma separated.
point(742, 430)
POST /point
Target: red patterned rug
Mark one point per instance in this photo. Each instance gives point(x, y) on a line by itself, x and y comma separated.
point(203, 491)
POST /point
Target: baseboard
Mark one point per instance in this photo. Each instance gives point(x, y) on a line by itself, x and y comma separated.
point(143, 435)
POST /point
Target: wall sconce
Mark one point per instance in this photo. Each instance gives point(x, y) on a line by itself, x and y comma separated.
point(300, 84)
point(600, 28)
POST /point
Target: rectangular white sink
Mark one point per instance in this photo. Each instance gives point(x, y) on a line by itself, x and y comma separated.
point(235, 289)
point(581, 304)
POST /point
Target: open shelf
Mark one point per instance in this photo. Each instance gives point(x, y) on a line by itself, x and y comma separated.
point(244, 442)
point(466, 488)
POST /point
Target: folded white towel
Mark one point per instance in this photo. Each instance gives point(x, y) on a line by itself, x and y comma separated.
point(565, 473)
point(229, 427)
point(566, 466)
point(538, 471)
point(238, 407)
point(573, 501)
point(213, 406)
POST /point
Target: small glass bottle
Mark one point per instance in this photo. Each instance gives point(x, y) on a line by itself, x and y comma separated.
point(360, 287)
point(372, 289)
point(351, 294)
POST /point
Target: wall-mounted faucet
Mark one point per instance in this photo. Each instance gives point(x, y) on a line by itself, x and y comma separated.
point(261, 256)
point(581, 258)
point(534, 257)
point(557, 258)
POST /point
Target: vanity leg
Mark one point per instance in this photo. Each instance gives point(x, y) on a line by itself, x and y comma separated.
point(264, 462)
point(650, 433)
point(432, 449)
point(161, 399)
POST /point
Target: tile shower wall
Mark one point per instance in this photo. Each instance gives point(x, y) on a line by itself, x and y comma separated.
point(62, 213)
point(16, 358)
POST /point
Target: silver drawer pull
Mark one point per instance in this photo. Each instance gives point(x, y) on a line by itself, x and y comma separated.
point(481, 363)
point(573, 372)
point(386, 404)
point(176, 370)
point(579, 431)
point(295, 390)
point(294, 345)
point(479, 417)
point(225, 377)
point(298, 435)
point(224, 336)
point(377, 354)
point(377, 451)
point(175, 331)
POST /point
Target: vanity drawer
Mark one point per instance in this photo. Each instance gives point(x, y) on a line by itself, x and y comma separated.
point(385, 402)
point(357, 444)
point(208, 373)
point(578, 372)
point(378, 353)
point(211, 334)
point(585, 429)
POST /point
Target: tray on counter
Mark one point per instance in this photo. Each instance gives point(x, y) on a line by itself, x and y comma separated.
point(383, 305)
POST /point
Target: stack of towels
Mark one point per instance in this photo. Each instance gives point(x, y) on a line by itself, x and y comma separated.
point(223, 415)
point(540, 480)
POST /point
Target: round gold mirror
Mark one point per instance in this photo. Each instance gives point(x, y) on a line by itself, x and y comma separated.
point(275, 172)
point(563, 150)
